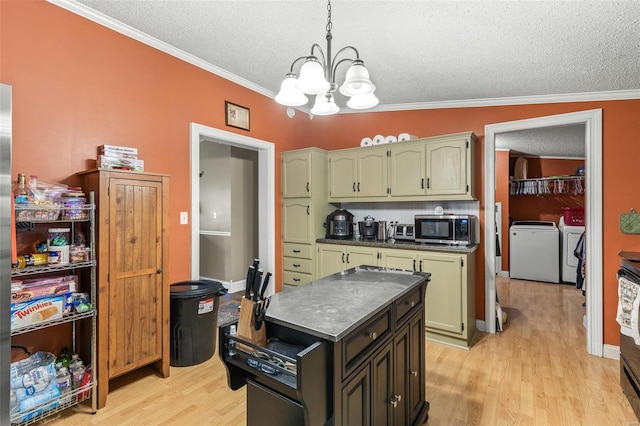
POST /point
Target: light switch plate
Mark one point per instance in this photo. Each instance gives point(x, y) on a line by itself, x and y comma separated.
point(184, 218)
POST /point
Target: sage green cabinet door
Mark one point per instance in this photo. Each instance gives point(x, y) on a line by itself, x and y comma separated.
point(447, 168)
point(296, 221)
point(296, 175)
point(443, 300)
point(357, 256)
point(372, 172)
point(331, 259)
point(342, 174)
point(398, 259)
point(407, 175)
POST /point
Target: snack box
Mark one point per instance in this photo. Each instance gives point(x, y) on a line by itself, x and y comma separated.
point(35, 311)
point(120, 163)
point(31, 289)
point(117, 151)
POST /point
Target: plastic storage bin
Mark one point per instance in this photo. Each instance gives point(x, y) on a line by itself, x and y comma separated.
point(573, 216)
point(194, 320)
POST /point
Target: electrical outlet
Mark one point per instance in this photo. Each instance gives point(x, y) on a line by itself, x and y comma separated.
point(184, 218)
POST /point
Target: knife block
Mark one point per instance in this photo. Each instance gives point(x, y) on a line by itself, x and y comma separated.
point(247, 324)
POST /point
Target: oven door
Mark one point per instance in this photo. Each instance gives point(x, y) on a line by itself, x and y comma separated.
point(434, 229)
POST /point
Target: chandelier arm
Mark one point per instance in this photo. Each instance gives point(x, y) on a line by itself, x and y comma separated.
point(293, 64)
point(335, 67)
point(324, 59)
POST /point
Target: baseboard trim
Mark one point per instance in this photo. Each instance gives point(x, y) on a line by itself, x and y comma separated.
point(611, 351)
point(480, 325)
point(232, 287)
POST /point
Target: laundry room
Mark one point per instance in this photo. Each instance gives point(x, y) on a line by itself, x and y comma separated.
point(540, 198)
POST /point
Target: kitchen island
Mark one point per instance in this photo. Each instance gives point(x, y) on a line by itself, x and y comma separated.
point(347, 349)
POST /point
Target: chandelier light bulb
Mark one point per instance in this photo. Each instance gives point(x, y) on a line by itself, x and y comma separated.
point(363, 101)
point(289, 95)
point(357, 80)
point(312, 80)
point(324, 105)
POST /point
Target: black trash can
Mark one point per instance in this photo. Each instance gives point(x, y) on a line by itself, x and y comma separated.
point(194, 318)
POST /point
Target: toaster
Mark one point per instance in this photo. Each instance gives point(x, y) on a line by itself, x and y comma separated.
point(404, 231)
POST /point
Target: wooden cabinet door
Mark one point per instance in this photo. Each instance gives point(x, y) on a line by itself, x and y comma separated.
point(382, 384)
point(416, 368)
point(443, 300)
point(447, 168)
point(296, 175)
point(372, 172)
point(296, 221)
point(342, 174)
point(135, 274)
point(356, 400)
point(400, 376)
point(398, 259)
point(357, 256)
point(407, 175)
point(331, 259)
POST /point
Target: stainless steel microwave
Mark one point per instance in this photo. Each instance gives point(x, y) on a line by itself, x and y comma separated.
point(446, 229)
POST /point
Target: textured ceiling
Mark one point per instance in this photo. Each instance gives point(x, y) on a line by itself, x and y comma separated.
point(420, 54)
point(557, 141)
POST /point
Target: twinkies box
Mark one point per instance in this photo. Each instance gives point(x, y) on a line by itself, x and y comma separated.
point(118, 151)
point(120, 163)
point(35, 311)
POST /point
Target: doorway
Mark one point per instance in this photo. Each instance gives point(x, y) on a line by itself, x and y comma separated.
point(265, 200)
point(592, 120)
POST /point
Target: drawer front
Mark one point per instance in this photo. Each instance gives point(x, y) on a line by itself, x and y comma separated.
point(408, 304)
point(297, 265)
point(295, 278)
point(366, 337)
point(296, 250)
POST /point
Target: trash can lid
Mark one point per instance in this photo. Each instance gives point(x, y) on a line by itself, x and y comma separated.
point(190, 289)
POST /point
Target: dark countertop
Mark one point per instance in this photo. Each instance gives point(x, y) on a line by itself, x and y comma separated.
point(397, 244)
point(333, 306)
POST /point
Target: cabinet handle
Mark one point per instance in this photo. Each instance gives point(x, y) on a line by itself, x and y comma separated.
point(358, 186)
point(342, 257)
point(373, 335)
point(159, 271)
point(398, 397)
point(414, 264)
point(413, 373)
point(420, 265)
point(354, 187)
point(296, 279)
point(347, 257)
point(307, 210)
point(422, 183)
point(296, 251)
point(307, 186)
point(412, 303)
point(428, 183)
point(394, 403)
point(296, 265)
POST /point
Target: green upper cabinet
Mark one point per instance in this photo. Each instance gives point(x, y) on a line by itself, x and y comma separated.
point(447, 168)
point(407, 170)
point(297, 179)
point(358, 172)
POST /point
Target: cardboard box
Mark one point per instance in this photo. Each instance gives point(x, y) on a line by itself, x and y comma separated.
point(120, 163)
point(31, 289)
point(35, 311)
point(115, 150)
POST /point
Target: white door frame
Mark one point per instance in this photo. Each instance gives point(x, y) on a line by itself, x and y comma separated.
point(266, 193)
point(592, 119)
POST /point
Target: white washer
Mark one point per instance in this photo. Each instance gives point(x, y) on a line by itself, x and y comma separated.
point(534, 251)
point(569, 237)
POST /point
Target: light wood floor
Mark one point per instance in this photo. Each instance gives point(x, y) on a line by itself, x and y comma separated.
point(536, 372)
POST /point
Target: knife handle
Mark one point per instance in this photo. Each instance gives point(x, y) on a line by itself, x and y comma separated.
point(265, 284)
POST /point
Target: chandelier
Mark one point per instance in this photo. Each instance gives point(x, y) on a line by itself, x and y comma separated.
point(317, 77)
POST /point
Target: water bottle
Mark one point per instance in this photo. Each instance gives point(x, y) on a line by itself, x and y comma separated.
point(64, 383)
point(77, 372)
point(232, 343)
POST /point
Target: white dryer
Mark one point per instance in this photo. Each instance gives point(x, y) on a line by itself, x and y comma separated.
point(534, 251)
point(569, 237)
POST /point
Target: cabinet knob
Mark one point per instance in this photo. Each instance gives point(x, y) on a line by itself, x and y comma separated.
point(412, 303)
point(296, 279)
point(413, 373)
point(373, 335)
point(296, 265)
point(296, 251)
point(394, 403)
point(159, 271)
point(398, 397)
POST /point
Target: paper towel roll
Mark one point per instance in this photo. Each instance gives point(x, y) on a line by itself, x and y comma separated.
point(378, 139)
point(390, 139)
point(366, 142)
point(406, 137)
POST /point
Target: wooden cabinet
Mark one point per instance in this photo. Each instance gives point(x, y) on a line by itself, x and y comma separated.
point(358, 173)
point(435, 168)
point(132, 254)
point(304, 210)
point(398, 259)
point(334, 258)
point(450, 300)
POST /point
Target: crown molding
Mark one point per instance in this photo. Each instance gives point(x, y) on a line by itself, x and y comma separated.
point(138, 35)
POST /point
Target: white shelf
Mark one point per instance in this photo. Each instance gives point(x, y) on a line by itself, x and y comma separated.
point(553, 185)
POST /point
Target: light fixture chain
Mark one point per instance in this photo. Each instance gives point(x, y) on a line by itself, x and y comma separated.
point(329, 24)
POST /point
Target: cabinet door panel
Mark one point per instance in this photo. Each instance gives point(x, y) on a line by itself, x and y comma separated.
point(372, 173)
point(135, 248)
point(331, 259)
point(357, 256)
point(356, 402)
point(401, 370)
point(296, 222)
point(398, 259)
point(407, 170)
point(447, 168)
point(415, 386)
point(296, 175)
point(444, 293)
point(342, 175)
point(382, 388)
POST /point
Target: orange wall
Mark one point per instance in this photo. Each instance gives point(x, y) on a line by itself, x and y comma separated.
point(502, 196)
point(77, 85)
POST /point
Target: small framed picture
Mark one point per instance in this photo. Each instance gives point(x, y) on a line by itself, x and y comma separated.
point(237, 116)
